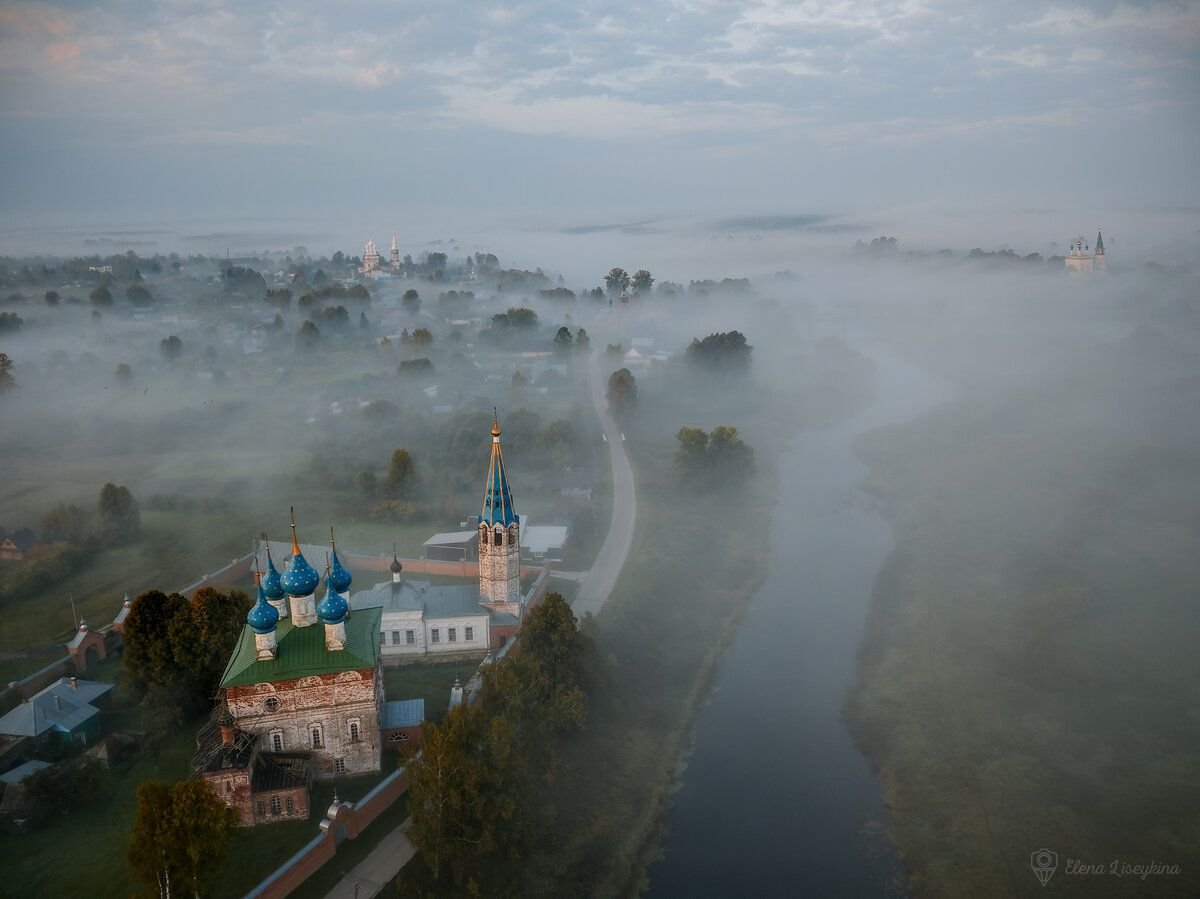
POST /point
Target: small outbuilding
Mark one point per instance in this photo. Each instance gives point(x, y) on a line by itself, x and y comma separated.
point(402, 720)
point(453, 546)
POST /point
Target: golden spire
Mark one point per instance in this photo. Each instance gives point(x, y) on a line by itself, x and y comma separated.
point(257, 573)
point(495, 423)
point(332, 542)
point(295, 541)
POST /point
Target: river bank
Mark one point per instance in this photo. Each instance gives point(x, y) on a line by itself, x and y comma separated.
point(1026, 669)
point(673, 614)
point(743, 819)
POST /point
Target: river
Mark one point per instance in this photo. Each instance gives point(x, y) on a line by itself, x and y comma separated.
point(776, 800)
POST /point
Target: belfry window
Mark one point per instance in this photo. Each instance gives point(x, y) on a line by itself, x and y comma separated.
point(512, 537)
point(497, 539)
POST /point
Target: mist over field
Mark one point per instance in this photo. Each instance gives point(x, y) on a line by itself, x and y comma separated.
point(845, 359)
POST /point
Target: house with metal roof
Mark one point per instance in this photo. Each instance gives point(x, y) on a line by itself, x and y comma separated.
point(68, 710)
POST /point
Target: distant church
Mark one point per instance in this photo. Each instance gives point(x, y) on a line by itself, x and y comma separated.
point(303, 691)
point(373, 263)
point(1080, 259)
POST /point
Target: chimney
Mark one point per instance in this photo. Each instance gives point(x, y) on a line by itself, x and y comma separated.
point(74, 682)
point(225, 722)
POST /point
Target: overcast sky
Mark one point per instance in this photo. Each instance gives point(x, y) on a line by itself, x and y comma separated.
point(191, 108)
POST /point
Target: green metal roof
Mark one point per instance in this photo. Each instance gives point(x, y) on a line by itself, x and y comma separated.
point(301, 652)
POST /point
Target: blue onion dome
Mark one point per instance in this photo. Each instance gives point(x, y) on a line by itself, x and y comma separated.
point(299, 578)
point(339, 577)
point(264, 616)
point(270, 582)
point(332, 609)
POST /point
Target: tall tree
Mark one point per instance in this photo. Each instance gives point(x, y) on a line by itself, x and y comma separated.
point(171, 348)
point(563, 341)
point(692, 454)
point(148, 656)
point(642, 280)
point(617, 280)
point(461, 792)
point(101, 296)
point(308, 335)
point(727, 351)
point(138, 295)
point(180, 835)
point(622, 391)
point(401, 476)
point(120, 520)
point(176, 648)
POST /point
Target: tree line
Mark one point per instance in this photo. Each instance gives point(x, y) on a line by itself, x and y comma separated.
point(475, 789)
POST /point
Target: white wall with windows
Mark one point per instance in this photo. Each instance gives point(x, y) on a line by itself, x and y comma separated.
point(459, 634)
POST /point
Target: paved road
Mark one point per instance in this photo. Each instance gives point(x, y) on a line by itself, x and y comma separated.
point(611, 559)
point(375, 871)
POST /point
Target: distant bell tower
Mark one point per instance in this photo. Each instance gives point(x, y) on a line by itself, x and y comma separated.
point(1098, 262)
point(499, 536)
point(395, 255)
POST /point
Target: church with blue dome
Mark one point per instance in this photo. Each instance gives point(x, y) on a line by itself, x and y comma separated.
point(303, 690)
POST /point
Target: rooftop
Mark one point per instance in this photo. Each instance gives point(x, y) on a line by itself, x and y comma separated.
point(451, 538)
point(279, 771)
point(19, 773)
point(301, 652)
point(442, 601)
point(58, 707)
point(403, 713)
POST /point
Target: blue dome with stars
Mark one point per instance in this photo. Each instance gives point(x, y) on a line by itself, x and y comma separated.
point(299, 578)
point(270, 583)
point(332, 609)
point(338, 575)
point(264, 616)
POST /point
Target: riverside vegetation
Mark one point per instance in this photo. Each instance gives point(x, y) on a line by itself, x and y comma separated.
point(1031, 650)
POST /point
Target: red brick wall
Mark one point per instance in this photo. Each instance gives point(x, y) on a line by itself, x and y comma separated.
point(353, 817)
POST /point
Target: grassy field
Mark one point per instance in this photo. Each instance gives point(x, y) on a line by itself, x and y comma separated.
point(430, 681)
point(1029, 676)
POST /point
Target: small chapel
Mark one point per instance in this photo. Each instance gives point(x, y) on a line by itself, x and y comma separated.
point(302, 694)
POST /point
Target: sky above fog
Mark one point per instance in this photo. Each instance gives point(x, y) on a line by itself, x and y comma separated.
point(570, 111)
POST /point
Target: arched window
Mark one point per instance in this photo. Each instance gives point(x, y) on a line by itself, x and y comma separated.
point(355, 735)
point(512, 537)
point(497, 539)
point(276, 805)
point(315, 730)
point(277, 740)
